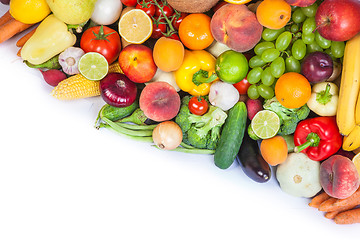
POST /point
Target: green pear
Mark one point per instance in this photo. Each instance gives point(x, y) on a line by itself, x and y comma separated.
point(72, 11)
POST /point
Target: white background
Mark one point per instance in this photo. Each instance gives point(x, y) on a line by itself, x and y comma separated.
point(60, 178)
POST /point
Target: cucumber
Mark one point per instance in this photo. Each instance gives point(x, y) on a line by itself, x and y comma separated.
point(231, 136)
point(116, 113)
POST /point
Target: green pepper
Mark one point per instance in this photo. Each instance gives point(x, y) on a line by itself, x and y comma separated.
point(50, 38)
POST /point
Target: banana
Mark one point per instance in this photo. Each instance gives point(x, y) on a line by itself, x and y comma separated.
point(349, 87)
point(352, 141)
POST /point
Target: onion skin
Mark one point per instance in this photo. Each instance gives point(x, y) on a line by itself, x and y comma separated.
point(167, 135)
point(117, 90)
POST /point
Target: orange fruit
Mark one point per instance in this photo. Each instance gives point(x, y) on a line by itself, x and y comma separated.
point(273, 14)
point(292, 90)
point(135, 26)
point(195, 32)
point(168, 54)
point(274, 150)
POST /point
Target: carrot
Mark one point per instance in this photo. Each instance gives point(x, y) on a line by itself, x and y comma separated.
point(331, 215)
point(11, 28)
point(21, 42)
point(19, 52)
point(327, 205)
point(354, 199)
point(5, 18)
point(318, 199)
point(348, 217)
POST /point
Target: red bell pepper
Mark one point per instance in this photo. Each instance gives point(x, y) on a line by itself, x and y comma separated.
point(318, 138)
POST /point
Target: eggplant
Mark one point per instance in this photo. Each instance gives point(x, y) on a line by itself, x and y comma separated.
point(251, 161)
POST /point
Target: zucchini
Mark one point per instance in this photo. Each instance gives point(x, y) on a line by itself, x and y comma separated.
point(231, 136)
point(116, 113)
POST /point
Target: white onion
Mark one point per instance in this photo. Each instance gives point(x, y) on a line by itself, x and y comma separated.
point(223, 95)
point(107, 12)
point(167, 135)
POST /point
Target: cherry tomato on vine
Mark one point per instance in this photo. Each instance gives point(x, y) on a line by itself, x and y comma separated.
point(174, 35)
point(168, 10)
point(129, 3)
point(242, 86)
point(159, 28)
point(198, 108)
point(103, 40)
point(178, 19)
point(147, 7)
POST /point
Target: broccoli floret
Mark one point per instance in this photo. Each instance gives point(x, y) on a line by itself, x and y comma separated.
point(214, 138)
point(303, 112)
point(200, 131)
point(184, 112)
point(289, 117)
point(197, 140)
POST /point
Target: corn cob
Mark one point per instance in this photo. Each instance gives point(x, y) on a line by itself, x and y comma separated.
point(115, 67)
point(77, 86)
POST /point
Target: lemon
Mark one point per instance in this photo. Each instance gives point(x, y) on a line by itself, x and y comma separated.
point(265, 124)
point(93, 66)
point(29, 11)
point(135, 26)
point(237, 1)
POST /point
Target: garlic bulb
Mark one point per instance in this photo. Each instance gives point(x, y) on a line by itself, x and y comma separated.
point(69, 60)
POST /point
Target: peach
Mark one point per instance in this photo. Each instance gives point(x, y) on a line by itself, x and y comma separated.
point(339, 177)
point(236, 26)
point(159, 101)
point(137, 63)
point(300, 3)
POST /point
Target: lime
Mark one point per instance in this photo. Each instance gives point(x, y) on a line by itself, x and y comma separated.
point(93, 66)
point(231, 66)
point(265, 124)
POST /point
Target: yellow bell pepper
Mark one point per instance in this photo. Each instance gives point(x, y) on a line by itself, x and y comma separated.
point(50, 38)
point(196, 73)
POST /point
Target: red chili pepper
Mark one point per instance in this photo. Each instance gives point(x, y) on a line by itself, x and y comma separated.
point(318, 138)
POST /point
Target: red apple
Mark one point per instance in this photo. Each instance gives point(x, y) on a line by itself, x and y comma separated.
point(339, 177)
point(338, 20)
point(300, 3)
point(137, 63)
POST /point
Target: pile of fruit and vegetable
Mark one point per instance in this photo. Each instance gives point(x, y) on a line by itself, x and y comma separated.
point(271, 84)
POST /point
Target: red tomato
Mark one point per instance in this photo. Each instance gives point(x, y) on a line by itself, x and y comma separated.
point(178, 19)
point(174, 35)
point(242, 86)
point(103, 40)
point(147, 7)
point(198, 108)
point(168, 10)
point(159, 28)
point(129, 3)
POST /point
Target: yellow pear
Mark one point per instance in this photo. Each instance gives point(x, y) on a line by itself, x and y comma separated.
point(72, 12)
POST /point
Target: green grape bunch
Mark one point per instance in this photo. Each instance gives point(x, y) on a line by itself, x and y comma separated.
point(282, 50)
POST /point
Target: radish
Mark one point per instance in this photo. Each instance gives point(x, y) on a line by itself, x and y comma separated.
point(53, 76)
point(253, 106)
